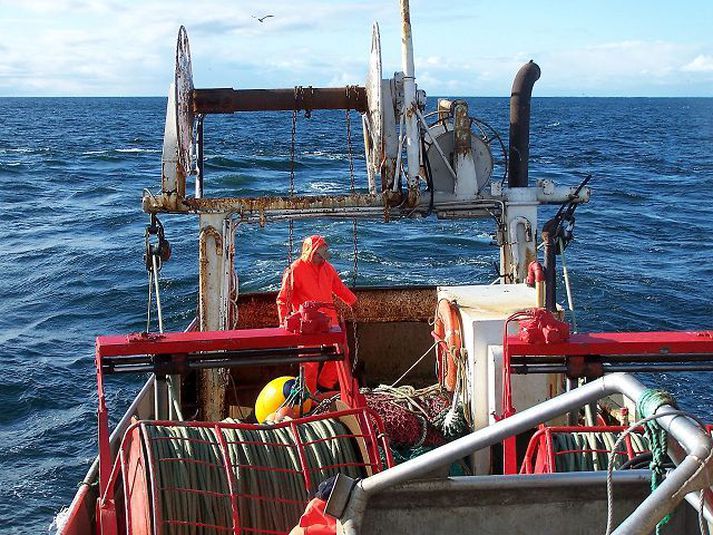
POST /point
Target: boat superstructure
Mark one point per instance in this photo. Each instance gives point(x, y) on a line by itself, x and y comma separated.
point(539, 419)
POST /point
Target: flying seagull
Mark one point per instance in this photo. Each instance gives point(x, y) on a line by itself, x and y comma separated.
point(262, 19)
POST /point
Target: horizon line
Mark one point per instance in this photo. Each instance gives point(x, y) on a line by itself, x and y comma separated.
point(428, 96)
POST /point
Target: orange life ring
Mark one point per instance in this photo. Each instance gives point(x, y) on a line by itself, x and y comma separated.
point(447, 327)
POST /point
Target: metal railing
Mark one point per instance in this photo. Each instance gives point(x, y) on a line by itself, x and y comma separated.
point(693, 471)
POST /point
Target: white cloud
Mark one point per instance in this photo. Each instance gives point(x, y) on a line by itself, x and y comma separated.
point(107, 47)
point(701, 63)
point(621, 68)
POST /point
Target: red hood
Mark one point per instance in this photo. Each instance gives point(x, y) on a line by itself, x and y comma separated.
point(310, 246)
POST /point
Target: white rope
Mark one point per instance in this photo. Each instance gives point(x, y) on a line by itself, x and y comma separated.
point(148, 303)
point(565, 273)
point(174, 401)
point(392, 385)
point(701, 520)
point(154, 262)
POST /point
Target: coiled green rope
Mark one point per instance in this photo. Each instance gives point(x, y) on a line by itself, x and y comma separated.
point(657, 436)
point(267, 474)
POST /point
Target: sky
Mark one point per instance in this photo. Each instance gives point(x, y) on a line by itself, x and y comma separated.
point(462, 48)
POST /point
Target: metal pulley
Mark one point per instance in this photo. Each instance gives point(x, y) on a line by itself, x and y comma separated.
point(161, 250)
point(561, 226)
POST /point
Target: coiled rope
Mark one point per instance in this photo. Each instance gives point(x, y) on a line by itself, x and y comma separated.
point(590, 450)
point(267, 473)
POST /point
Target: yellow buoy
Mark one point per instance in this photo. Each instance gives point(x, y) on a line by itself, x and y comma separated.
point(273, 396)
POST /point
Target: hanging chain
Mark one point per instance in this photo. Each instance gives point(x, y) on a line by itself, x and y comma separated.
point(355, 240)
point(349, 148)
point(292, 175)
point(352, 189)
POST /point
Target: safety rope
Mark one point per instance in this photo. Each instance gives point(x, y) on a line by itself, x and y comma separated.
point(266, 472)
point(416, 363)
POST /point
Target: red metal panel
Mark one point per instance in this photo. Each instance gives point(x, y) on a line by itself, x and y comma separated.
point(190, 342)
point(79, 518)
point(635, 343)
point(135, 481)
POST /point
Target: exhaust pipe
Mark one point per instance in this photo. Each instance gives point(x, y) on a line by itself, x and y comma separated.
point(519, 149)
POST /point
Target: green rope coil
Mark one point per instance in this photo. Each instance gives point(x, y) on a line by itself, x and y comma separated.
point(190, 476)
point(657, 436)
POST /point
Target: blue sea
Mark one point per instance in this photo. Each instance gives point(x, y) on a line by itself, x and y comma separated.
point(72, 171)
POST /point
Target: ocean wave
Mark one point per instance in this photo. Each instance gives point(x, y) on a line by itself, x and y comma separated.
point(72, 261)
point(138, 150)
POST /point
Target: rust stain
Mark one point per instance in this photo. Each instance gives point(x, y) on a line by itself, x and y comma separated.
point(260, 205)
point(374, 305)
point(405, 20)
point(462, 128)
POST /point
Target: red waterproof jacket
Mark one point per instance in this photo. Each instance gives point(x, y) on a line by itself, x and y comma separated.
point(305, 281)
point(315, 521)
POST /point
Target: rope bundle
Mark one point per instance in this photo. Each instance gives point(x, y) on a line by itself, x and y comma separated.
point(268, 477)
point(409, 414)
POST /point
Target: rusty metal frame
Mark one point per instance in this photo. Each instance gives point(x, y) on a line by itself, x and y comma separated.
point(228, 100)
point(361, 205)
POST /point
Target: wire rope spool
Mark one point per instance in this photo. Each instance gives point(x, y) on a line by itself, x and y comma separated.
point(183, 86)
point(213, 478)
point(448, 329)
point(442, 178)
point(374, 145)
point(178, 133)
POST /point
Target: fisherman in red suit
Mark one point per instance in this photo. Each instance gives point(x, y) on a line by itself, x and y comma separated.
point(312, 278)
point(315, 521)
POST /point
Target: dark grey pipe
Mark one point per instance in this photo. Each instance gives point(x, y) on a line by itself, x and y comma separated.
point(519, 150)
point(550, 267)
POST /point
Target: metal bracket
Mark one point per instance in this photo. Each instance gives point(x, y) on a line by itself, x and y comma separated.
point(339, 496)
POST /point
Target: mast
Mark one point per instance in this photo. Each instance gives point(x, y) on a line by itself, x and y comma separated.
point(413, 145)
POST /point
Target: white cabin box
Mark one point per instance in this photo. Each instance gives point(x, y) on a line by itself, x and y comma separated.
point(483, 311)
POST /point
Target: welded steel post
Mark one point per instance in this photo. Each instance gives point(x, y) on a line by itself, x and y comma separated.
point(213, 254)
point(519, 150)
point(413, 144)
